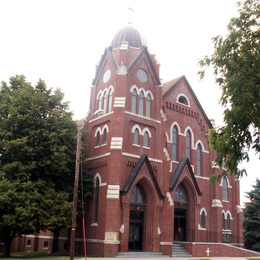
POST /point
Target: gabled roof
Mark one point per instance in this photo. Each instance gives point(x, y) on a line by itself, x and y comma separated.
point(145, 52)
point(107, 53)
point(178, 172)
point(170, 85)
point(133, 174)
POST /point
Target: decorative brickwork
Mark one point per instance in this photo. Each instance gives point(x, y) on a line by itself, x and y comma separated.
point(154, 162)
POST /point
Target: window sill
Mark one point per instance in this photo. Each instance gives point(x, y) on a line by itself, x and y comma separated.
point(94, 225)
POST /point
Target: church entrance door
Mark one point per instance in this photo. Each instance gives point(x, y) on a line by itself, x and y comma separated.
point(180, 225)
point(136, 219)
point(136, 231)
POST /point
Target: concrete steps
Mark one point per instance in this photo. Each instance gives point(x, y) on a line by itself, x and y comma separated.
point(179, 252)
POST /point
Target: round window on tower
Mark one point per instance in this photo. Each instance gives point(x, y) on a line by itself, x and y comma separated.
point(106, 76)
point(142, 75)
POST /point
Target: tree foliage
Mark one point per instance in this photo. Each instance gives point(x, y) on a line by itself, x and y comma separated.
point(236, 64)
point(251, 221)
point(37, 159)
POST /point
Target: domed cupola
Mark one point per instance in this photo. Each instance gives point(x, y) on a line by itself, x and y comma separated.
point(128, 35)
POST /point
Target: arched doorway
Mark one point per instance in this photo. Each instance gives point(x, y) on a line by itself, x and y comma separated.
point(180, 214)
point(136, 219)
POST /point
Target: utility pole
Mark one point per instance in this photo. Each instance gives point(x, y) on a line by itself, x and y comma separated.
point(76, 181)
point(75, 197)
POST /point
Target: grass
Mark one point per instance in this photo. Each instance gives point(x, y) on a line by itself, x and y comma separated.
point(36, 256)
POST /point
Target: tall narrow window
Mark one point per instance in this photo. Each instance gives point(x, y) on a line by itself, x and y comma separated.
point(228, 221)
point(136, 136)
point(110, 101)
point(223, 221)
point(105, 102)
point(174, 143)
point(104, 137)
point(148, 105)
point(100, 101)
point(134, 101)
point(225, 190)
point(98, 139)
point(146, 139)
point(96, 201)
point(141, 103)
point(199, 160)
point(203, 219)
point(188, 145)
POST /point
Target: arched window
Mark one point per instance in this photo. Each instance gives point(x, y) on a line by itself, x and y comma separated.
point(174, 143)
point(134, 101)
point(96, 200)
point(203, 219)
point(100, 101)
point(29, 242)
point(148, 105)
point(188, 145)
point(146, 139)
point(137, 195)
point(183, 100)
point(228, 221)
point(180, 195)
point(136, 136)
point(225, 190)
point(98, 139)
point(104, 136)
point(199, 172)
point(110, 101)
point(45, 244)
point(105, 102)
point(223, 221)
point(141, 103)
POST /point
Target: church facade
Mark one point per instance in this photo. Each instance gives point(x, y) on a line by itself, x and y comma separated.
point(151, 161)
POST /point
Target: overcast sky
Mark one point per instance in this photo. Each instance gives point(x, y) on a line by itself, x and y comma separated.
point(61, 42)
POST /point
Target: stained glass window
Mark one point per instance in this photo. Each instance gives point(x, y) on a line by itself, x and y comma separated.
point(225, 190)
point(146, 139)
point(134, 100)
point(136, 136)
point(180, 194)
point(137, 195)
point(174, 143)
point(141, 103)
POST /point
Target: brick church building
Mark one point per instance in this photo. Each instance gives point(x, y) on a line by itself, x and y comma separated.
point(151, 161)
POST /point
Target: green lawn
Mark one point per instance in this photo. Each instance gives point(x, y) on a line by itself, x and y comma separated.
point(36, 256)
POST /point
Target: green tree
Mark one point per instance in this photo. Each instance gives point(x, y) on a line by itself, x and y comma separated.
point(251, 221)
point(236, 64)
point(37, 159)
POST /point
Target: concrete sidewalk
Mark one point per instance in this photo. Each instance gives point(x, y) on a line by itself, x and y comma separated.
point(171, 258)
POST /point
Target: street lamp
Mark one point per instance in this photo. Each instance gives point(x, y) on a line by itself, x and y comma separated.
point(76, 181)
